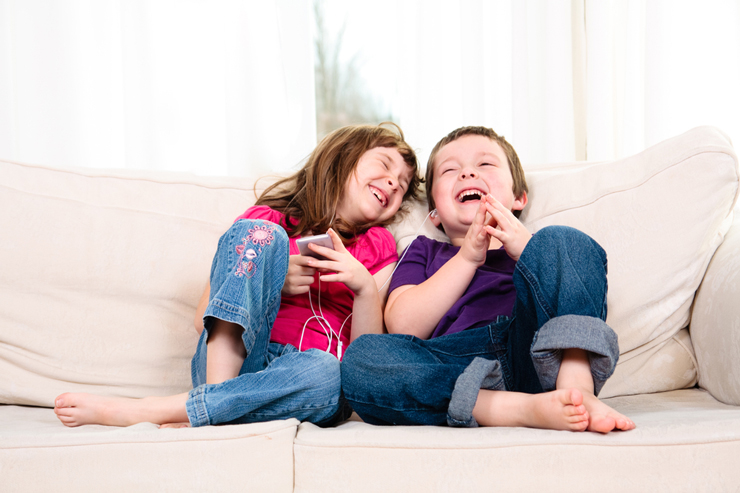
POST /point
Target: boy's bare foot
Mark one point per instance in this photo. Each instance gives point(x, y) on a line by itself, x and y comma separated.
point(603, 418)
point(557, 410)
point(82, 409)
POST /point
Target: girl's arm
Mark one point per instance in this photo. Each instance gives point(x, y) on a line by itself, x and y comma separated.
point(201, 309)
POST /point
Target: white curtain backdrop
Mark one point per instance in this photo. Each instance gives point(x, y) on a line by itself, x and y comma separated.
point(226, 87)
point(223, 87)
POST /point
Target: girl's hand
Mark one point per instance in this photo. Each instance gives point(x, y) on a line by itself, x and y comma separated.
point(476, 242)
point(299, 277)
point(506, 228)
point(341, 266)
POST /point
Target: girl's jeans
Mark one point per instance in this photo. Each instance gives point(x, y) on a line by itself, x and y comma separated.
point(561, 286)
point(276, 381)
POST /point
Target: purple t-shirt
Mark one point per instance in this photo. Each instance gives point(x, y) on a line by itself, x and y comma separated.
point(490, 293)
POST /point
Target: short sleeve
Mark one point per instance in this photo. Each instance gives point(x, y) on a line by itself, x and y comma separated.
point(375, 249)
point(413, 266)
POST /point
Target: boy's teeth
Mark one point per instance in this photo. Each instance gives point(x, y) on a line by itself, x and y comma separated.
point(469, 193)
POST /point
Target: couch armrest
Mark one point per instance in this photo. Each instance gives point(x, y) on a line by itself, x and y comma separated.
point(715, 321)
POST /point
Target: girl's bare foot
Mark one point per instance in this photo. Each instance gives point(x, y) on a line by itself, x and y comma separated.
point(556, 410)
point(603, 418)
point(175, 425)
point(82, 409)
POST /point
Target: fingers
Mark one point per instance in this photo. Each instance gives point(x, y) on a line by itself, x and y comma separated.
point(499, 212)
point(331, 254)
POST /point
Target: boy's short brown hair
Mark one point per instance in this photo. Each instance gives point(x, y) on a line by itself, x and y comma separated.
point(515, 166)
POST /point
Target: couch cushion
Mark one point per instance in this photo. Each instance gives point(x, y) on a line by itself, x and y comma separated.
point(38, 453)
point(101, 274)
point(685, 440)
point(660, 215)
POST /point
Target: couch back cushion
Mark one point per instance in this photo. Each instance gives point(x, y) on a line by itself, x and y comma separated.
point(101, 273)
point(660, 215)
point(102, 270)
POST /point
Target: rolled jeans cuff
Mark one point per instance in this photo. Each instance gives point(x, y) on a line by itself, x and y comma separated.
point(196, 407)
point(480, 374)
point(218, 309)
point(580, 332)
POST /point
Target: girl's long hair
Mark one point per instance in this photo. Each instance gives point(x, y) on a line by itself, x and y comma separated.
point(310, 197)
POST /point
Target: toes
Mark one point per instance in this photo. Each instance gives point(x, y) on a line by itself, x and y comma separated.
point(576, 398)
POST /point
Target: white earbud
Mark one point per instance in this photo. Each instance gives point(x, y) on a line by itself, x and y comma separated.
point(434, 213)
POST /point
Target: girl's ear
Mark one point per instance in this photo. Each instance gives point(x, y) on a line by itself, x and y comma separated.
point(520, 202)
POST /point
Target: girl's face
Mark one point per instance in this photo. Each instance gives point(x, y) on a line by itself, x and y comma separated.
point(375, 190)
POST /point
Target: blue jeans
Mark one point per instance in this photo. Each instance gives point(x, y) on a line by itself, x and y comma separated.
point(276, 381)
point(561, 286)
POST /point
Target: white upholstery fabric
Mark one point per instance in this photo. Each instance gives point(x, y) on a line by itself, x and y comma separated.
point(254, 457)
point(715, 324)
point(660, 215)
point(101, 275)
point(685, 440)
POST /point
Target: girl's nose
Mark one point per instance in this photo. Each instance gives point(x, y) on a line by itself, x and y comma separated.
point(469, 174)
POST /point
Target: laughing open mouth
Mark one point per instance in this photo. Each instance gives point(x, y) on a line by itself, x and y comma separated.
point(380, 196)
point(468, 195)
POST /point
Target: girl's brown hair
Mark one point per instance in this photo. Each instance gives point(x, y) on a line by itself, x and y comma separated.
point(310, 197)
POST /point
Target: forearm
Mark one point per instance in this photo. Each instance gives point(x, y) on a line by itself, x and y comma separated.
point(367, 315)
point(418, 309)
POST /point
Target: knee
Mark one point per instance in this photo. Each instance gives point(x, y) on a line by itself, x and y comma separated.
point(260, 232)
point(367, 361)
point(322, 369)
point(567, 240)
point(358, 355)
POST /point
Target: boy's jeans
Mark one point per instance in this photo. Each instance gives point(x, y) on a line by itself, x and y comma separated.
point(276, 381)
point(561, 286)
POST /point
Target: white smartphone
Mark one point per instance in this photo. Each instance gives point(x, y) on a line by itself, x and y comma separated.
point(323, 240)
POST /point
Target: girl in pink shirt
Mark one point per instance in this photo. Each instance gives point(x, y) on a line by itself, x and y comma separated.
point(273, 323)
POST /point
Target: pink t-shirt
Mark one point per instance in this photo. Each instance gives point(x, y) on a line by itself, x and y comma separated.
point(375, 249)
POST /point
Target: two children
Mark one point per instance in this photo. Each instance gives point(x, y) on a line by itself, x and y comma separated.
point(498, 328)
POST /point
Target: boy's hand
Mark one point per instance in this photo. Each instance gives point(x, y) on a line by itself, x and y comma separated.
point(505, 227)
point(342, 266)
point(299, 278)
point(476, 242)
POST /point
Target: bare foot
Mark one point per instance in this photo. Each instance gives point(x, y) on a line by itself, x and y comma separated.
point(603, 418)
point(175, 425)
point(82, 409)
point(557, 410)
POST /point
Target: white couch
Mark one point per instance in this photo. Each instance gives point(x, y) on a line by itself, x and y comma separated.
point(100, 272)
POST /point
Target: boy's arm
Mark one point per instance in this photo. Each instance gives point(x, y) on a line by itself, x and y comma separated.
point(417, 309)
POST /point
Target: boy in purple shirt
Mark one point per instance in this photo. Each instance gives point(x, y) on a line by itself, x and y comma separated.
point(498, 328)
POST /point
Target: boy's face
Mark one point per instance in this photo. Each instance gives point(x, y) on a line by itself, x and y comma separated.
point(464, 171)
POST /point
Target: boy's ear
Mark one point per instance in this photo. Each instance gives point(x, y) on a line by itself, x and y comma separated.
point(434, 216)
point(520, 203)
